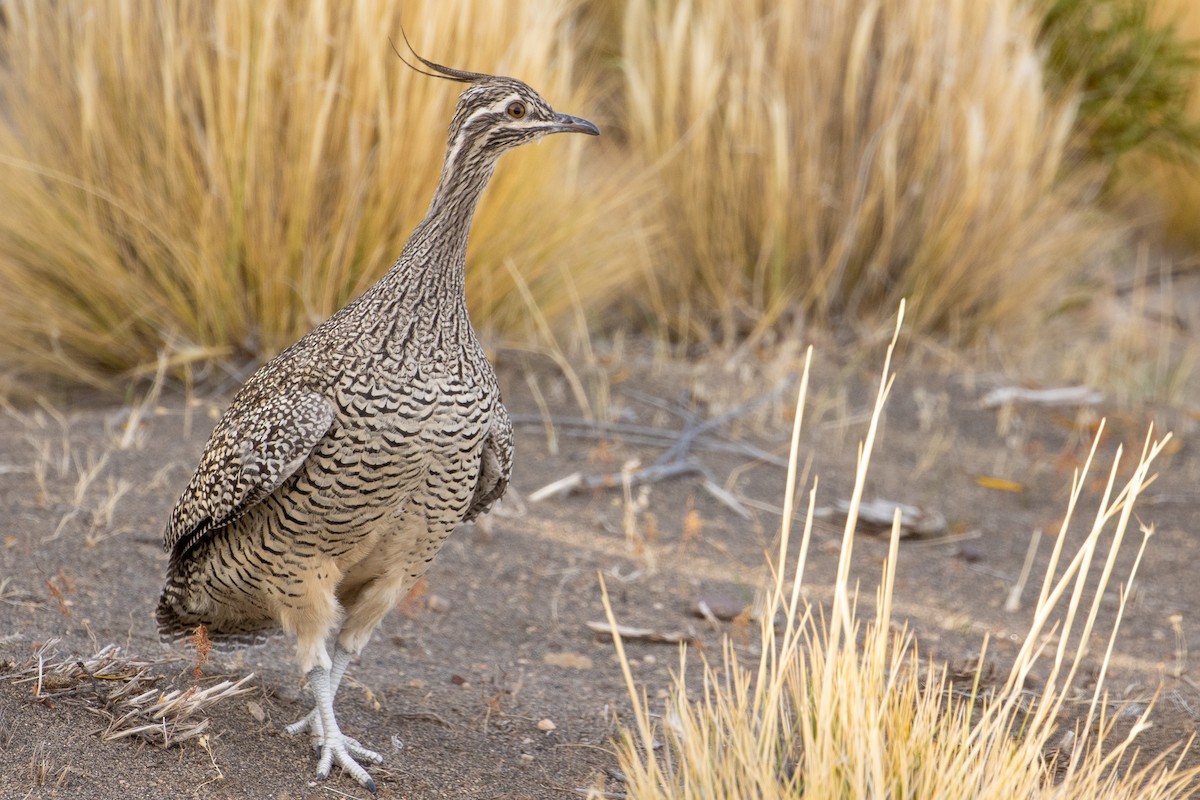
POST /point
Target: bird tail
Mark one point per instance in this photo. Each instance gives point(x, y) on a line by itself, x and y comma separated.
point(177, 623)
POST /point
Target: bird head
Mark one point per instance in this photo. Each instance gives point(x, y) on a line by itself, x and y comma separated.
point(496, 113)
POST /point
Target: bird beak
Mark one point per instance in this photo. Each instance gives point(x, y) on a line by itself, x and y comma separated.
point(565, 123)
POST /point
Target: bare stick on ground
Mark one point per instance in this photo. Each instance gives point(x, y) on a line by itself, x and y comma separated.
point(674, 462)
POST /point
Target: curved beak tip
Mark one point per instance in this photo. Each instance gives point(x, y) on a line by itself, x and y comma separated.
point(570, 124)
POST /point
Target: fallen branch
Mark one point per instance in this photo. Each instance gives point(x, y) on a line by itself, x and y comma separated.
point(672, 463)
point(879, 513)
point(691, 432)
point(645, 435)
point(642, 634)
point(578, 482)
point(1063, 396)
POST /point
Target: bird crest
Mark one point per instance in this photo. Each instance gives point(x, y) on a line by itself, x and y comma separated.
point(439, 70)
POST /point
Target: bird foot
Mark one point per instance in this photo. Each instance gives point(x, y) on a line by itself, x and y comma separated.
point(342, 750)
point(311, 722)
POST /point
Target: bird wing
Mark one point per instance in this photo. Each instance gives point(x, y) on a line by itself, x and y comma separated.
point(259, 443)
point(495, 466)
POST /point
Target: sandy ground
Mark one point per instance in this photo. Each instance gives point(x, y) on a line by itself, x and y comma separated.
point(488, 682)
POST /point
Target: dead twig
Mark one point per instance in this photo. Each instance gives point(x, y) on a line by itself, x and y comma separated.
point(1059, 396)
point(643, 634)
point(878, 514)
point(644, 435)
point(578, 482)
point(690, 433)
point(673, 462)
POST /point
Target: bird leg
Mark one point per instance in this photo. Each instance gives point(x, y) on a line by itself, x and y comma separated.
point(334, 745)
point(311, 722)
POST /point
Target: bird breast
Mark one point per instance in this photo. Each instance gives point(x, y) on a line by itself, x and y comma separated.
point(412, 437)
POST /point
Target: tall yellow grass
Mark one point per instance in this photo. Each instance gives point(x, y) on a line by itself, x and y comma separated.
point(214, 178)
point(210, 180)
point(837, 706)
point(830, 158)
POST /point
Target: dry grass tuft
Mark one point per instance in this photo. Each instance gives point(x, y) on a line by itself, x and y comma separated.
point(212, 180)
point(839, 704)
point(828, 159)
point(123, 691)
point(192, 184)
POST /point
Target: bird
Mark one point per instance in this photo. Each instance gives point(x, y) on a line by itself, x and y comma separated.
point(342, 465)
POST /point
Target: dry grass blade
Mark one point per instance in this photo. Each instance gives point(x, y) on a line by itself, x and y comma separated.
point(124, 691)
point(841, 706)
point(172, 716)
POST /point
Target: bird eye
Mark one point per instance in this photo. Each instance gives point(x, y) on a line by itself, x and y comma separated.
point(516, 109)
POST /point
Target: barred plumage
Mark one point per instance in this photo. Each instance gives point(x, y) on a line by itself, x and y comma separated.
point(343, 464)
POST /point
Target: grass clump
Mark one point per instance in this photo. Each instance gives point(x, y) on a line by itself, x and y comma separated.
point(213, 179)
point(124, 692)
point(839, 704)
point(825, 160)
point(198, 183)
point(1133, 73)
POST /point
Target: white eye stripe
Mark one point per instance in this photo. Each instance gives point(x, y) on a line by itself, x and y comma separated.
point(506, 102)
point(476, 114)
point(500, 106)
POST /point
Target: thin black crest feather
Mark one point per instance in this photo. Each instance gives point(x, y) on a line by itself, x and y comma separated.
point(439, 71)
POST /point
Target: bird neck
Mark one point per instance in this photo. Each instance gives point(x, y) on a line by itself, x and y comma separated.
point(424, 292)
point(438, 245)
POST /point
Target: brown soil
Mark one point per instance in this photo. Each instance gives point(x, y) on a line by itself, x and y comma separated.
point(497, 640)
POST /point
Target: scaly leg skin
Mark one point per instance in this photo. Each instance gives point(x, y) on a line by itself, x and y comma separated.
point(311, 722)
point(336, 747)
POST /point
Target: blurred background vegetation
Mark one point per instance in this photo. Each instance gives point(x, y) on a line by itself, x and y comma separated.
point(198, 184)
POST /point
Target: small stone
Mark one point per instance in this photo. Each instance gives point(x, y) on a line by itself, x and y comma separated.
point(526, 758)
point(568, 660)
point(970, 553)
point(256, 711)
point(546, 725)
point(437, 604)
point(721, 606)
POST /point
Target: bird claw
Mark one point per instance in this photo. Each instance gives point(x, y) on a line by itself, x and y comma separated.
point(358, 751)
point(339, 751)
point(311, 723)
